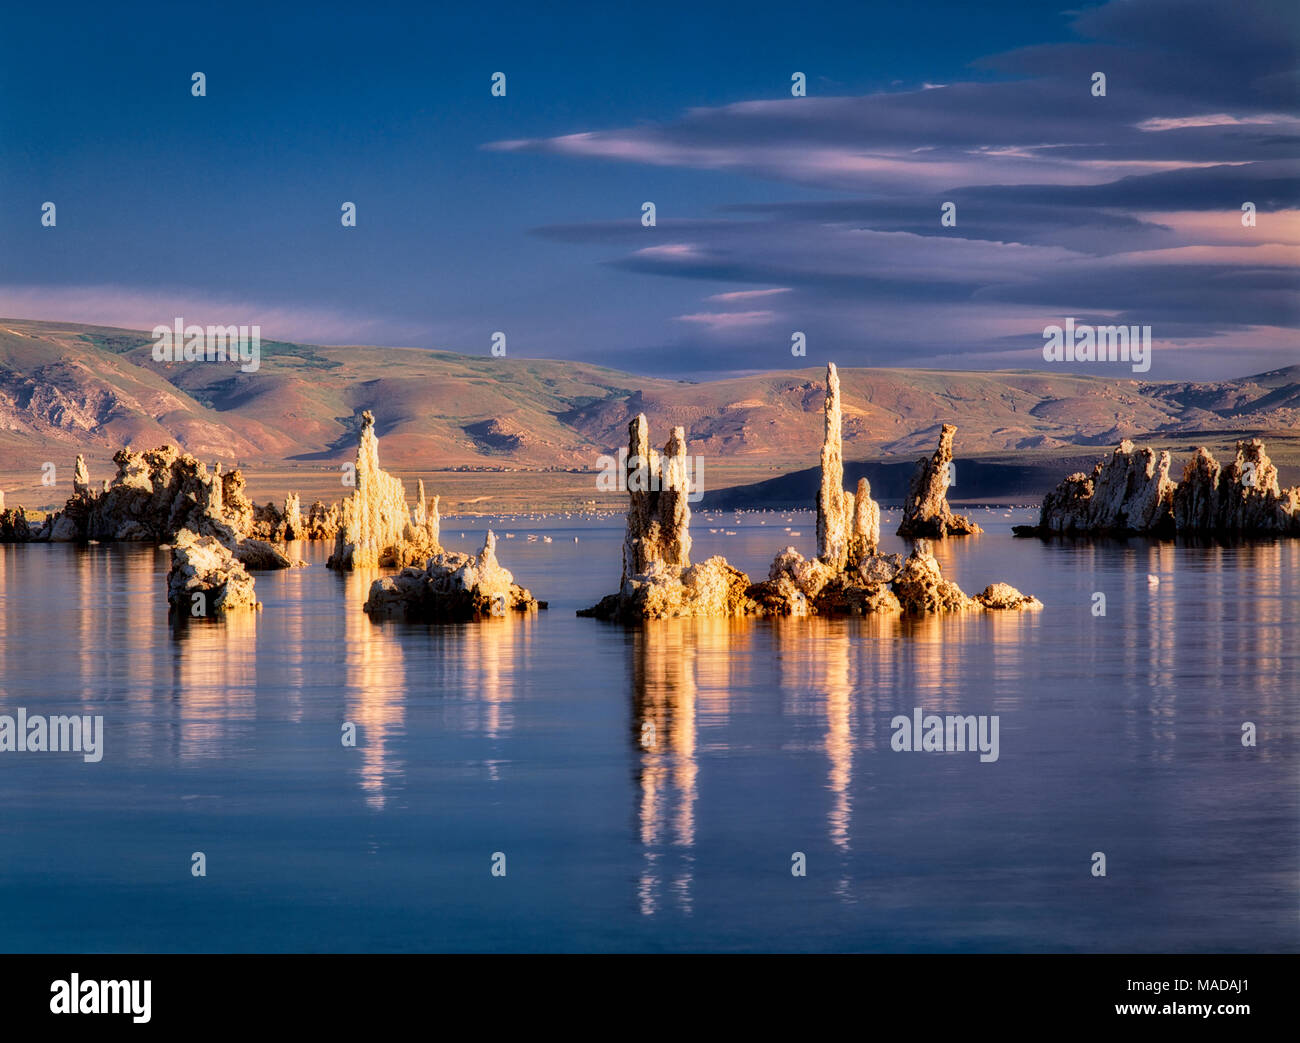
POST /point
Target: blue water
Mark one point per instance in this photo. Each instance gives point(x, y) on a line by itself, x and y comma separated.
point(1119, 734)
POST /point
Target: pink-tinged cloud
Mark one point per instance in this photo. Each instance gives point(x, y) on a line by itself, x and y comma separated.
point(839, 251)
point(671, 251)
point(1266, 255)
point(1219, 119)
point(850, 166)
point(746, 295)
point(722, 321)
point(1224, 227)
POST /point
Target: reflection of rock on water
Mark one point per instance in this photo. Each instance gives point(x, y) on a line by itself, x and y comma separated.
point(843, 674)
point(491, 659)
point(665, 664)
point(818, 678)
point(375, 686)
point(215, 675)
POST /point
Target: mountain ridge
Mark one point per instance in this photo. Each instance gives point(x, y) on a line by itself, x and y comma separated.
point(67, 387)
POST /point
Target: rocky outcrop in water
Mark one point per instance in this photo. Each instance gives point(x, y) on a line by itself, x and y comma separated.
point(268, 522)
point(712, 588)
point(238, 510)
point(1005, 596)
point(154, 496)
point(425, 516)
point(422, 537)
point(864, 531)
point(14, 526)
point(1240, 499)
point(921, 588)
point(80, 477)
point(322, 521)
point(848, 525)
point(848, 576)
point(658, 579)
point(449, 588)
point(375, 527)
point(834, 505)
point(1131, 494)
point(658, 514)
point(273, 523)
point(926, 514)
point(798, 586)
point(157, 495)
point(292, 518)
point(206, 580)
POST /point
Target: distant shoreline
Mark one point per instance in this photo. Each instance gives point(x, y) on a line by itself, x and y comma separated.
point(1002, 479)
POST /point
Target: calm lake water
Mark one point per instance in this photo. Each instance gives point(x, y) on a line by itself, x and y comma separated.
point(1118, 734)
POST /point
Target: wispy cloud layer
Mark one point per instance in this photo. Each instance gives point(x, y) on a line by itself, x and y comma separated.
point(1127, 205)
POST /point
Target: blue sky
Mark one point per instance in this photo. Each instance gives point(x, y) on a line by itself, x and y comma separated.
point(775, 214)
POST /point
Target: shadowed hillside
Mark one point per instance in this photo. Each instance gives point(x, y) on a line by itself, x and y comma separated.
point(1015, 478)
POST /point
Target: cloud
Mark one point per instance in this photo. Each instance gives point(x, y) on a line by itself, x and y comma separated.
point(745, 295)
point(1126, 205)
point(722, 321)
point(1219, 119)
point(1044, 127)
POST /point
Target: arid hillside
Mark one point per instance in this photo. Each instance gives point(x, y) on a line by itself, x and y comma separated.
point(67, 388)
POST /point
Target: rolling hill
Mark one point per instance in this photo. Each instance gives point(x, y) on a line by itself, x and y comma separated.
point(67, 388)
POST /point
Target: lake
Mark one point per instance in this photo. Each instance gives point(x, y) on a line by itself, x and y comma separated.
point(650, 789)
